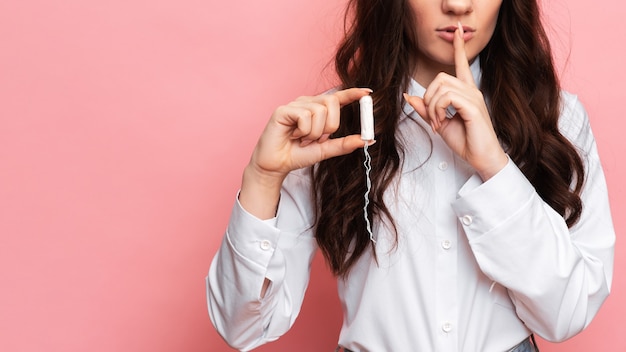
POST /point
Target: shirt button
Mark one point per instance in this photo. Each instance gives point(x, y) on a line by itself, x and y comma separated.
point(446, 327)
point(467, 220)
point(265, 245)
point(443, 166)
point(446, 244)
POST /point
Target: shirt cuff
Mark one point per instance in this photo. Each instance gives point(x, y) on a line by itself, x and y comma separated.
point(251, 237)
point(483, 206)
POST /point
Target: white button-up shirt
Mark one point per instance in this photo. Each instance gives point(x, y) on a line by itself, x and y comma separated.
point(478, 266)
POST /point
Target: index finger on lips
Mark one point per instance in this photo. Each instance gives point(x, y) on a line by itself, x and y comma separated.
point(461, 63)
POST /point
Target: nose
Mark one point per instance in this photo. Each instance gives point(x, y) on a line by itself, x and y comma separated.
point(457, 7)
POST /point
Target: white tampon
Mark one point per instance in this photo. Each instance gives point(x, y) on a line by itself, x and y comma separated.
point(367, 118)
point(367, 134)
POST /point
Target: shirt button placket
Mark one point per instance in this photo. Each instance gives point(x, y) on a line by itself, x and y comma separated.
point(446, 303)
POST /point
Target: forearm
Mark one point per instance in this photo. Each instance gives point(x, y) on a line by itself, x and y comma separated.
point(233, 285)
point(556, 283)
point(557, 277)
point(257, 279)
point(260, 193)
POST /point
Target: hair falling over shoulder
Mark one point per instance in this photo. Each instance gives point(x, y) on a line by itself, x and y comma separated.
point(519, 80)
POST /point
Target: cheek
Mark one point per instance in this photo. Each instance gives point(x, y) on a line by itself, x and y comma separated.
point(489, 29)
point(474, 47)
point(493, 17)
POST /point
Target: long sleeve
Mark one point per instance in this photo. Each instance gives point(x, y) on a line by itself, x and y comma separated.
point(252, 250)
point(557, 277)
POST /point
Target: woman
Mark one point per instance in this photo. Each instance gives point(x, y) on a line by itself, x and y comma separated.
point(489, 226)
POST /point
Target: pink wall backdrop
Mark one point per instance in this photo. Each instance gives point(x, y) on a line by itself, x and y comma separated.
point(124, 127)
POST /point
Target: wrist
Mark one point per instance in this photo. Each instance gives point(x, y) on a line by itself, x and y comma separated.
point(260, 192)
point(499, 162)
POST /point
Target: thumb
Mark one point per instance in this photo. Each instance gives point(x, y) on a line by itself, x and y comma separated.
point(342, 146)
point(418, 104)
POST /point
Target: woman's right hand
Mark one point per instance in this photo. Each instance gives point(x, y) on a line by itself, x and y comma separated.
point(296, 136)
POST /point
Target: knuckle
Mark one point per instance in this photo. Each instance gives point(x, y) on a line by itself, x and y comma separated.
point(331, 99)
point(321, 110)
point(281, 110)
point(305, 113)
point(332, 125)
point(442, 77)
point(302, 98)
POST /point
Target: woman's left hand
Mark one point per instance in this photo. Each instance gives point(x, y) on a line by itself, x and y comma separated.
point(469, 133)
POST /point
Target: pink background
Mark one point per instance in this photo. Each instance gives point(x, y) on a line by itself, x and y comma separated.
point(124, 127)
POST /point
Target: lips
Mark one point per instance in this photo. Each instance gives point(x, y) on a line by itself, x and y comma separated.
point(452, 28)
point(447, 33)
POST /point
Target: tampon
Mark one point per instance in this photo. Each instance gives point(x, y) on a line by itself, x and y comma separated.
point(367, 118)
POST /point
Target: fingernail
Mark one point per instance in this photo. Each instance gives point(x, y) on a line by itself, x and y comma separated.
point(460, 28)
point(367, 90)
point(406, 96)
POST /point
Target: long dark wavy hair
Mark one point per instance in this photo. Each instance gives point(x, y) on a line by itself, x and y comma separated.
point(518, 78)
